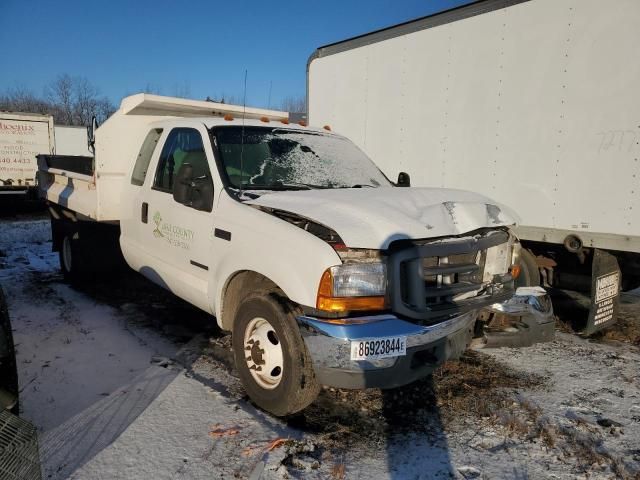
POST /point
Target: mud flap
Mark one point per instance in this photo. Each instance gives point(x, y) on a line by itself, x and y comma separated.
point(521, 321)
point(605, 292)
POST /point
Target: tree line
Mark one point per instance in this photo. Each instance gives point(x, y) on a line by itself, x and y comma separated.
point(72, 100)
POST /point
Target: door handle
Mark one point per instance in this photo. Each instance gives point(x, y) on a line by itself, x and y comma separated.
point(144, 214)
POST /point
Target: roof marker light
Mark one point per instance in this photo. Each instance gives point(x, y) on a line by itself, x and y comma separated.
point(285, 121)
point(327, 127)
point(264, 119)
point(302, 123)
point(228, 117)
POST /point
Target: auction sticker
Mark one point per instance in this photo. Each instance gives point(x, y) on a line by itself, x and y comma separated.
point(381, 347)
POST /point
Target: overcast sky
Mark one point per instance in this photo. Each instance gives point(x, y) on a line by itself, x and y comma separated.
point(195, 48)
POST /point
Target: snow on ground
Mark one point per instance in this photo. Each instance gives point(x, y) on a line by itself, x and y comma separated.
point(122, 381)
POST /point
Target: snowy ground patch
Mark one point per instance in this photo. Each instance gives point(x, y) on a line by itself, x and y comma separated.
point(125, 381)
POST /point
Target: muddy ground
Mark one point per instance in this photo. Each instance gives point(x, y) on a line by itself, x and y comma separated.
point(123, 380)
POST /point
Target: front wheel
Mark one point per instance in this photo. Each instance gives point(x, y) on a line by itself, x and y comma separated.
point(271, 357)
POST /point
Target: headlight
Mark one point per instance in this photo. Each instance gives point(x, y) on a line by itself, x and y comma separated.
point(354, 286)
point(359, 280)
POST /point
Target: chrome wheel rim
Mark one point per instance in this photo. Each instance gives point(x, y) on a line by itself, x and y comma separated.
point(263, 353)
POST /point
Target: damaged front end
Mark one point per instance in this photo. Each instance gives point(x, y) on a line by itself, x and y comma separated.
point(521, 321)
point(433, 294)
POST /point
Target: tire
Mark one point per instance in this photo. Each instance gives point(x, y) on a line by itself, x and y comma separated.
point(529, 272)
point(280, 383)
point(8, 368)
point(70, 257)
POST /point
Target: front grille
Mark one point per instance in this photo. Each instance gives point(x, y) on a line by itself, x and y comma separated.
point(431, 280)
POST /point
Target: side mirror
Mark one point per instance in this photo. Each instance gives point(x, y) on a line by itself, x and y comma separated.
point(91, 135)
point(196, 193)
point(404, 180)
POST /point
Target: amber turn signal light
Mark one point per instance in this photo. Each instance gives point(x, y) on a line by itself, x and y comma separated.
point(326, 302)
point(515, 271)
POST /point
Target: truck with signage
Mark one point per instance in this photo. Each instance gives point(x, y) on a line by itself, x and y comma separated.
point(531, 102)
point(22, 137)
point(324, 271)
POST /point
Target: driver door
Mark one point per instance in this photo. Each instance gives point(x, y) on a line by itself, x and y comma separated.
point(177, 235)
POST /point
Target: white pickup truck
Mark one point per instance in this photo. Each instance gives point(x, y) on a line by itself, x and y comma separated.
point(325, 272)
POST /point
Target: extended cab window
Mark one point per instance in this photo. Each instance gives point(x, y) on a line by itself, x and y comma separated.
point(183, 145)
point(144, 157)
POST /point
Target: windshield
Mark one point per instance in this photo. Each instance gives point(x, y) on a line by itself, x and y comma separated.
point(282, 159)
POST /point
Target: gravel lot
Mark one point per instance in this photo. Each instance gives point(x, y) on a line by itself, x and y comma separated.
point(125, 381)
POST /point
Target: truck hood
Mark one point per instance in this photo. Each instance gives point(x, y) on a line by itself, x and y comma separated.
point(375, 217)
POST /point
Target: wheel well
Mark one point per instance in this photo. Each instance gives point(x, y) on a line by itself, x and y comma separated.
point(239, 287)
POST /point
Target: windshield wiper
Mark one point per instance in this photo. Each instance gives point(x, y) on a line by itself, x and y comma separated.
point(278, 186)
point(308, 186)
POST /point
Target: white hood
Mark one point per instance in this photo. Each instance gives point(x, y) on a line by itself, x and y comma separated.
point(374, 217)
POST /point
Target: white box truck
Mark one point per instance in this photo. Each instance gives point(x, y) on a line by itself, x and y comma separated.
point(324, 271)
point(533, 103)
point(22, 137)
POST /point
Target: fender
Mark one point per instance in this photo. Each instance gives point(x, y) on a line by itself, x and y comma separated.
point(288, 256)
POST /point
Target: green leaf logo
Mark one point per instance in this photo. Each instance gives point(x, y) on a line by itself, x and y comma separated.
point(157, 219)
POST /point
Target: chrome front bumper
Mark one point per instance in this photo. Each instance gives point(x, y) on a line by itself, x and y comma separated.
point(521, 321)
point(427, 347)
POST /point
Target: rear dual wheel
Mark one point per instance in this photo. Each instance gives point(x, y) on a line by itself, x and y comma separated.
point(70, 258)
point(271, 357)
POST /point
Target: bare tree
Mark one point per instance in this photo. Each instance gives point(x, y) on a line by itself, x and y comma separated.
point(20, 99)
point(75, 100)
point(294, 104)
point(59, 93)
point(182, 91)
point(151, 88)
